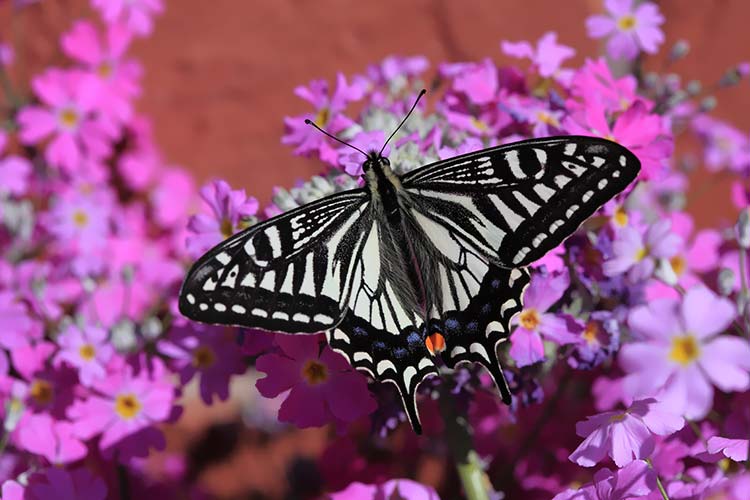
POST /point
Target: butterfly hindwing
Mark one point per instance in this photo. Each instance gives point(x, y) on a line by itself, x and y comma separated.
point(514, 203)
point(288, 274)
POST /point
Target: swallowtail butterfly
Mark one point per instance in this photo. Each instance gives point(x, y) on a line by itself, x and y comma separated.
point(414, 267)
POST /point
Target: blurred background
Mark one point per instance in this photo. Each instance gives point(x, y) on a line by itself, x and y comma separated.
point(219, 79)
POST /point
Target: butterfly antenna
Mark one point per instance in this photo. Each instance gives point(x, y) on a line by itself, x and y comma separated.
point(416, 101)
point(312, 123)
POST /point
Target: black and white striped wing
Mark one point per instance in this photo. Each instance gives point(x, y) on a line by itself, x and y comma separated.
point(291, 273)
point(381, 333)
point(514, 203)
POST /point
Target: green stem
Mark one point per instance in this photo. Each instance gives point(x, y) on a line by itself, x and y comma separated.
point(458, 438)
point(659, 484)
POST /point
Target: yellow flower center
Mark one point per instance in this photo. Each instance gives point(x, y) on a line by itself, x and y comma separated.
point(315, 372)
point(617, 418)
point(626, 22)
point(620, 217)
point(685, 350)
point(127, 406)
point(678, 264)
point(591, 332)
point(642, 253)
point(87, 352)
point(203, 357)
point(529, 319)
point(547, 118)
point(41, 391)
point(80, 218)
point(105, 69)
point(226, 228)
point(322, 117)
point(68, 118)
point(479, 124)
point(610, 137)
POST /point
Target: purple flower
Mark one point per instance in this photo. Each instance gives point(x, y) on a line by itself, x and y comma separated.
point(478, 82)
point(547, 58)
point(595, 82)
point(352, 160)
point(324, 387)
point(635, 252)
point(15, 323)
point(680, 354)
point(50, 438)
point(123, 404)
point(54, 482)
point(632, 481)
point(230, 210)
point(87, 350)
point(68, 114)
point(631, 26)
point(211, 352)
point(534, 321)
point(103, 58)
point(624, 436)
point(135, 14)
point(735, 449)
point(328, 115)
point(14, 171)
point(395, 67)
point(724, 146)
point(401, 489)
point(600, 340)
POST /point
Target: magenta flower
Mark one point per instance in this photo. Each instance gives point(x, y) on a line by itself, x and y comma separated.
point(229, 211)
point(324, 387)
point(123, 404)
point(644, 133)
point(595, 82)
point(14, 171)
point(624, 436)
point(636, 252)
point(210, 352)
point(103, 58)
point(478, 82)
point(632, 481)
point(631, 27)
point(135, 14)
point(401, 489)
point(328, 115)
point(87, 350)
point(395, 67)
point(724, 146)
point(351, 160)
point(172, 197)
point(534, 321)
point(68, 114)
point(547, 57)
point(735, 449)
point(680, 355)
point(54, 482)
point(53, 439)
point(15, 323)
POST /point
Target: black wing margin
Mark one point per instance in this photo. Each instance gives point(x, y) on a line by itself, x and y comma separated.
point(288, 274)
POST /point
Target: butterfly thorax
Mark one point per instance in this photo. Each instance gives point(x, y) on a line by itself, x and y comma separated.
point(384, 184)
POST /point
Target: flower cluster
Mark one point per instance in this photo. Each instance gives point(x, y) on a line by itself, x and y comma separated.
point(629, 363)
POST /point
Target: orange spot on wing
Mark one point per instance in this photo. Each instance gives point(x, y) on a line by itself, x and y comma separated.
point(435, 343)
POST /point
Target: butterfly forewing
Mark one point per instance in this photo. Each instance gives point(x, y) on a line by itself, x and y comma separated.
point(289, 274)
point(514, 203)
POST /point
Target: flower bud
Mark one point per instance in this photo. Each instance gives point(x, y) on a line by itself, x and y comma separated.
point(693, 87)
point(123, 336)
point(742, 229)
point(665, 272)
point(708, 103)
point(151, 328)
point(725, 281)
point(680, 49)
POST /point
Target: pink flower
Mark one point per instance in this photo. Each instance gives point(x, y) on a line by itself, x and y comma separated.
point(52, 439)
point(328, 115)
point(635, 252)
point(644, 133)
point(724, 146)
point(624, 436)
point(534, 321)
point(352, 159)
point(478, 82)
point(324, 387)
point(68, 114)
point(14, 171)
point(61, 484)
point(735, 449)
point(680, 354)
point(631, 26)
point(135, 14)
point(401, 489)
point(547, 58)
point(103, 58)
point(15, 323)
point(123, 404)
point(210, 352)
point(230, 211)
point(595, 82)
point(172, 196)
point(87, 350)
point(632, 481)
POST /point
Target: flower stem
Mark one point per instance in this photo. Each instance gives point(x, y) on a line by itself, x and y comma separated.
point(659, 484)
point(458, 438)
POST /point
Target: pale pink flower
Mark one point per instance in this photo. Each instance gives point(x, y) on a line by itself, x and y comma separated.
point(135, 14)
point(87, 350)
point(631, 26)
point(547, 57)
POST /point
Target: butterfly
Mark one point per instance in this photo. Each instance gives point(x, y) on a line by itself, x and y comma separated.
point(416, 270)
